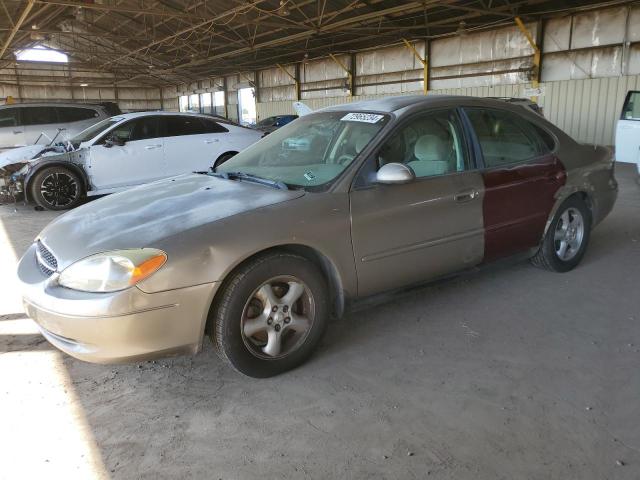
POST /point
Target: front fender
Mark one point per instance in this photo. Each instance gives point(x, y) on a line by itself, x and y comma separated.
point(55, 161)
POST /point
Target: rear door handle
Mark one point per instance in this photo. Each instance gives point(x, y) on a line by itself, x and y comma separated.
point(466, 196)
point(151, 147)
point(214, 140)
point(15, 132)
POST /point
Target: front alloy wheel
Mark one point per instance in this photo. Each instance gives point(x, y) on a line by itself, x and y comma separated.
point(270, 314)
point(278, 317)
point(56, 188)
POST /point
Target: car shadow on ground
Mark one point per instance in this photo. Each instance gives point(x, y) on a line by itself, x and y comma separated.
point(480, 376)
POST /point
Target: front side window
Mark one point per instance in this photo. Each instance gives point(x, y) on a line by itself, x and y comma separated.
point(503, 136)
point(310, 152)
point(137, 129)
point(431, 144)
point(631, 109)
point(39, 116)
point(9, 117)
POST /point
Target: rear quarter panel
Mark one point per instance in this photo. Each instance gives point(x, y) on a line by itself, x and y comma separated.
point(590, 170)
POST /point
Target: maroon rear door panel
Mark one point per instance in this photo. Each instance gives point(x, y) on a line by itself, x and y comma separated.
point(517, 202)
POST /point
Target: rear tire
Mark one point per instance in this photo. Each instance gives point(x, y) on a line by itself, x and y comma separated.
point(567, 238)
point(270, 315)
point(57, 188)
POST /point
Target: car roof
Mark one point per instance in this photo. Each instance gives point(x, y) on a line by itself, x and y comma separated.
point(131, 115)
point(393, 104)
point(52, 104)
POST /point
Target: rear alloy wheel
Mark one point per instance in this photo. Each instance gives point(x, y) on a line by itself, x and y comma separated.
point(567, 237)
point(271, 315)
point(57, 188)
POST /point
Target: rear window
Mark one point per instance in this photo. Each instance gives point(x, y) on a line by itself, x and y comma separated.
point(39, 115)
point(75, 114)
point(9, 117)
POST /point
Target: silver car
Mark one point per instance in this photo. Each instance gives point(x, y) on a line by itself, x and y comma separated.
point(43, 123)
point(341, 204)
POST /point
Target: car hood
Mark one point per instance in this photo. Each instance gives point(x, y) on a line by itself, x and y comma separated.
point(20, 154)
point(143, 216)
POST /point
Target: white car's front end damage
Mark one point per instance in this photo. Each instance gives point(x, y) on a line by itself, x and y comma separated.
point(17, 165)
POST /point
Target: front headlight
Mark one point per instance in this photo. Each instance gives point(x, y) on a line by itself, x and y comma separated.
point(112, 271)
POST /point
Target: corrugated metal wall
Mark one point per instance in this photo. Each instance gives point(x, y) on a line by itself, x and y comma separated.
point(585, 109)
point(589, 61)
point(31, 82)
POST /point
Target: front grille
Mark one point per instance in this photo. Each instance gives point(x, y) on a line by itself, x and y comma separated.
point(46, 261)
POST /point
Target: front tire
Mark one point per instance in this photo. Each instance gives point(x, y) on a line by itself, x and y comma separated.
point(271, 315)
point(56, 188)
point(567, 238)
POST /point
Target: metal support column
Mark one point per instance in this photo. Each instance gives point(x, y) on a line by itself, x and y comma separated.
point(349, 73)
point(535, 79)
point(425, 64)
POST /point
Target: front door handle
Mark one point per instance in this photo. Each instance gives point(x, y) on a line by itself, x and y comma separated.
point(466, 196)
point(16, 132)
point(151, 147)
point(214, 140)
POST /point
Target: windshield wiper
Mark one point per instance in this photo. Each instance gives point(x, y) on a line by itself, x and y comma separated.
point(251, 178)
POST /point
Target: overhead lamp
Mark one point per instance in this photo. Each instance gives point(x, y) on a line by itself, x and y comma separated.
point(84, 84)
point(283, 10)
point(462, 28)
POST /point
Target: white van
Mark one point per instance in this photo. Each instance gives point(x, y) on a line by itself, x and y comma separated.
point(628, 131)
point(27, 123)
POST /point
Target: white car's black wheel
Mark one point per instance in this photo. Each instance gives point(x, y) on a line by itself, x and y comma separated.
point(56, 188)
point(567, 238)
point(271, 315)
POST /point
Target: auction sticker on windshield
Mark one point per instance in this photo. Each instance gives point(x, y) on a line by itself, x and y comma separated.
point(362, 117)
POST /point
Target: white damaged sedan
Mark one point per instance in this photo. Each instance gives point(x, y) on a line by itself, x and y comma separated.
point(118, 153)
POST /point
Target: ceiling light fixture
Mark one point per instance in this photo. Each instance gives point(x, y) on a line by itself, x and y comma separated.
point(284, 11)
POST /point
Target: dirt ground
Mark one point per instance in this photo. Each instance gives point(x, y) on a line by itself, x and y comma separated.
point(509, 373)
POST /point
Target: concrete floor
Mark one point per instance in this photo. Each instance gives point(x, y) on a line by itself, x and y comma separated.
point(509, 373)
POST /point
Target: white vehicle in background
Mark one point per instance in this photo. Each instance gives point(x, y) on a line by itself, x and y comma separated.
point(43, 123)
point(119, 153)
point(628, 131)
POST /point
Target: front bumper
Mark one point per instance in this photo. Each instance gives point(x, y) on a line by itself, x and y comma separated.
point(117, 327)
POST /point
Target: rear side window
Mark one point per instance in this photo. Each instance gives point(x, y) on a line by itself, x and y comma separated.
point(504, 137)
point(39, 115)
point(212, 127)
point(9, 117)
point(179, 126)
point(631, 109)
point(75, 114)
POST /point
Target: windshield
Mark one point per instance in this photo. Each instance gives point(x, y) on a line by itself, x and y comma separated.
point(267, 122)
point(311, 151)
point(94, 130)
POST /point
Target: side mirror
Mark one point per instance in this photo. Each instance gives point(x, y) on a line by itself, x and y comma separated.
point(113, 141)
point(395, 173)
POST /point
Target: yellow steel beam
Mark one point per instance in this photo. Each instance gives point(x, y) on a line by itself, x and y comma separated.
point(16, 26)
point(535, 81)
point(292, 77)
point(349, 73)
point(425, 65)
